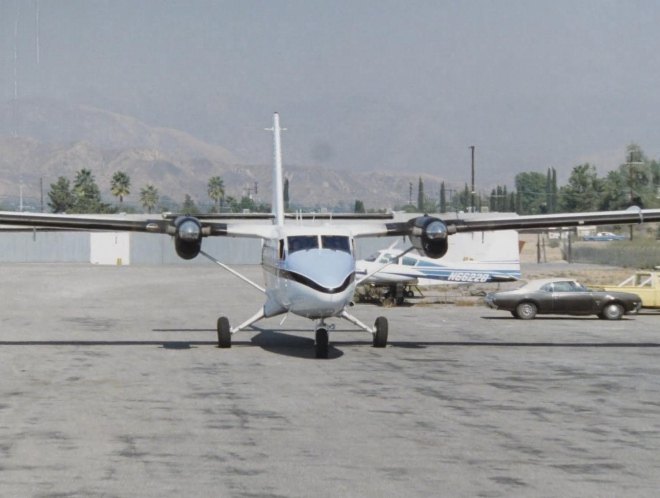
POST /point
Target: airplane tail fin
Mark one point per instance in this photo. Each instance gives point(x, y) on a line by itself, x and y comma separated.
point(278, 185)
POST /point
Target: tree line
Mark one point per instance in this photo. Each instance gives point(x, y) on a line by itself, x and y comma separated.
point(83, 195)
point(634, 182)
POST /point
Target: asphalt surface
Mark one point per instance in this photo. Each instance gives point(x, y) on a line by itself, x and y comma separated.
point(111, 385)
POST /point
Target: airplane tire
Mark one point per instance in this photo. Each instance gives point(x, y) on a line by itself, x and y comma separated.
point(380, 337)
point(224, 334)
point(321, 343)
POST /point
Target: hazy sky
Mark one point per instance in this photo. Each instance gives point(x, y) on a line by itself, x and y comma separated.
point(404, 86)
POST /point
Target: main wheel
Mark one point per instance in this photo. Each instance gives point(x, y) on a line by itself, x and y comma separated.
point(321, 343)
point(526, 310)
point(224, 333)
point(380, 336)
point(612, 311)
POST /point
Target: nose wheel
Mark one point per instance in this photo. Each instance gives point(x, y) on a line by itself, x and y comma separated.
point(321, 342)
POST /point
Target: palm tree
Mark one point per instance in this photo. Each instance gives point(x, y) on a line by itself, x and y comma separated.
point(216, 190)
point(120, 185)
point(149, 197)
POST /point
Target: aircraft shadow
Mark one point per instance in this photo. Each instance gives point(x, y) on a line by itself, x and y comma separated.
point(292, 345)
point(272, 340)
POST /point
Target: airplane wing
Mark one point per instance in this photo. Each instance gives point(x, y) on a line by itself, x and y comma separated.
point(138, 223)
point(233, 225)
point(626, 217)
point(494, 222)
point(429, 235)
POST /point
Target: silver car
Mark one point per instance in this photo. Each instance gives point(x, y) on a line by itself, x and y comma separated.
point(562, 296)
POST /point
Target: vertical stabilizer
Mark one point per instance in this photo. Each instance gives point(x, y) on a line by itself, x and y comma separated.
point(278, 185)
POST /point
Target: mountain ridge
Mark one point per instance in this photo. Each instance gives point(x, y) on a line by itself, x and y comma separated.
point(57, 139)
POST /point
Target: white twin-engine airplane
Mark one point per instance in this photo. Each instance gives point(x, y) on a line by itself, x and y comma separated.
point(309, 269)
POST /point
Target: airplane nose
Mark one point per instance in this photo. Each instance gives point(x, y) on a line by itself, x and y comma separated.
point(326, 270)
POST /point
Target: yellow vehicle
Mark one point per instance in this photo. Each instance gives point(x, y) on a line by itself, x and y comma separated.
point(646, 284)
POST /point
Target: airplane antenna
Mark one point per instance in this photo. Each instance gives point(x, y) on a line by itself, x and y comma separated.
point(278, 185)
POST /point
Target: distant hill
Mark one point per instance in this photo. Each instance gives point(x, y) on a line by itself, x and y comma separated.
point(42, 139)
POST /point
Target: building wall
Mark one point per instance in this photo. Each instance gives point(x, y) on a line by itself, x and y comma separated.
point(135, 248)
point(47, 247)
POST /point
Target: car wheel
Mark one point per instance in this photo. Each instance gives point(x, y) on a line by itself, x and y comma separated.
point(612, 311)
point(526, 310)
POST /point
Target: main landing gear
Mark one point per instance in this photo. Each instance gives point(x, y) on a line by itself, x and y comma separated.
point(380, 333)
point(321, 343)
point(224, 333)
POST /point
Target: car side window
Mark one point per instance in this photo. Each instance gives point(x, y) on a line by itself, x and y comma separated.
point(563, 287)
point(579, 287)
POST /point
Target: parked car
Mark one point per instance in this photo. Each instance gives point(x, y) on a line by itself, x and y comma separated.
point(604, 236)
point(646, 284)
point(563, 297)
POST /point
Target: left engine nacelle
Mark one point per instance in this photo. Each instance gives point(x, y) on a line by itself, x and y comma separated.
point(429, 236)
point(187, 237)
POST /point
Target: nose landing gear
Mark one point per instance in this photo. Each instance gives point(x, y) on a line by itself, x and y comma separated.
point(321, 343)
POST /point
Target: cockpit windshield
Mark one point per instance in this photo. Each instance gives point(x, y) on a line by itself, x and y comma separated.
point(387, 258)
point(302, 243)
point(336, 243)
point(307, 242)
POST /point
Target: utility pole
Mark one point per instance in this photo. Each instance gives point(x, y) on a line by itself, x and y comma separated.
point(472, 190)
point(252, 190)
point(631, 180)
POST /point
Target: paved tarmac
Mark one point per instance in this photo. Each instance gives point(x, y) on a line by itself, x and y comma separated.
point(111, 385)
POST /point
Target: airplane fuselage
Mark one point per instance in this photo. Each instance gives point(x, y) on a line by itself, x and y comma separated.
point(309, 271)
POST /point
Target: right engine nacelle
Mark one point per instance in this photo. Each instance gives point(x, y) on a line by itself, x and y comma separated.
point(429, 236)
point(187, 237)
